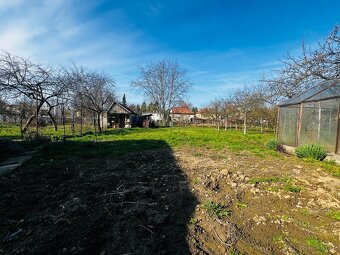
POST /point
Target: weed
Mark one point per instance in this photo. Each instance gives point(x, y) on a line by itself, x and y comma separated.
point(241, 204)
point(217, 209)
point(274, 189)
point(273, 144)
point(334, 215)
point(193, 221)
point(317, 245)
point(292, 188)
point(196, 181)
point(311, 151)
point(236, 252)
point(305, 212)
point(278, 238)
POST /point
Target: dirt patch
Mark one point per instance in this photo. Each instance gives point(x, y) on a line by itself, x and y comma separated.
point(138, 204)
point(276, 205)
point(155, 202)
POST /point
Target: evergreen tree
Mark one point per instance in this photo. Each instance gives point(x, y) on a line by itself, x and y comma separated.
point(143, 107)
point(124, 99)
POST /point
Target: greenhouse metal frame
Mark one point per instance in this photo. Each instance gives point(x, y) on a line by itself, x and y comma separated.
point(312, 117)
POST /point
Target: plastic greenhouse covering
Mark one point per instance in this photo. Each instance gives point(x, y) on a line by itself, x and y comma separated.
point(319, 117)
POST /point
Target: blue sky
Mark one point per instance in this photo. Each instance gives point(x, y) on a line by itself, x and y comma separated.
point(221, 44)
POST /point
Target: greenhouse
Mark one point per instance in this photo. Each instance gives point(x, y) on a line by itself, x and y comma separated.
point(312, 117)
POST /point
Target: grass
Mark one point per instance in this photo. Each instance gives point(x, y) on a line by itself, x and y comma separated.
point(176, 137)
point(216, 209)
point(278, 238)
point(305, 212)
point(241, 204)
point(311, 151)
point(291, 188)
point(193, 221)
point(207, 137)
point(334, 215)
point(317, 245)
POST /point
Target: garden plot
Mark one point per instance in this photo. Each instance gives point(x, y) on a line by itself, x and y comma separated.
point(132, 195)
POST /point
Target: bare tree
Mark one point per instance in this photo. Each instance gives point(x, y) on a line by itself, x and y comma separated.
point(20, 77)
point(92, 90)
point(164, 82)
point(215, 111)
point(248, 99)
point(301, 72)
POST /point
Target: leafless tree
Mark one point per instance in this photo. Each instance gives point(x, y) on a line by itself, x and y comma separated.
point(215, 111)
point(20, 77)
point(91, 90)
point(301, 72)
point(164, 82)
point(248, 99)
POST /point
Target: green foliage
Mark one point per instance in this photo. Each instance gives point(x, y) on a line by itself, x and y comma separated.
point(305, 211)
point(292, 188)
point(193, 221)
point(311, 151)
point(217, 209)
point(278, 238)
point(317, 245)
point(334, 215)
point(241, 204)
point(273, 144)
point(235, 252)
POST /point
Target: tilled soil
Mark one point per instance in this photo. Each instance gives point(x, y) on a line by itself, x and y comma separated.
point(152, 202)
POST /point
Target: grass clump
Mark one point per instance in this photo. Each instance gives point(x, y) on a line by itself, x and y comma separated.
point(241, 204)
point(334, 215)
point(278, 238)
point(311, 151)
point(291, 188)
point(217, 209)
point(193, 221)
point(273, 144)
point(317, 245)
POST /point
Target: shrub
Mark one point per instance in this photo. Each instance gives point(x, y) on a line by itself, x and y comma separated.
point(273, 144)
point(311, 151)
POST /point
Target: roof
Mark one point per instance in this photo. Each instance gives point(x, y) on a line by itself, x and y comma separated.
point(204, 110)
point(181, 110)
point(322, 91)
point(122, 106)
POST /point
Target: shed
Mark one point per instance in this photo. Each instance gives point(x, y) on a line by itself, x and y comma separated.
point(312, 117)
point(120, 116)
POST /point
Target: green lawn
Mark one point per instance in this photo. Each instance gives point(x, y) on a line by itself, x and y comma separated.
point(122, 141)
point(175, 137)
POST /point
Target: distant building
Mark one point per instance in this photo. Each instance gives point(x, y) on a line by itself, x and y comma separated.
point(181, 115)
point(119, 116)
point(204, 114)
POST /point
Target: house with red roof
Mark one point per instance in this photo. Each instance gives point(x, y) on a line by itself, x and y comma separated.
point(181, 114)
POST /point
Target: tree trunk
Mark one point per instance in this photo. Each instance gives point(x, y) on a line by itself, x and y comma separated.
point(52, 119)
point(245, 124)
point(32, 117)
point(98, 122)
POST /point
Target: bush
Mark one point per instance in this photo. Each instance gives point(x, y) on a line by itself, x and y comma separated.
point(311, 151)
point(274, 145)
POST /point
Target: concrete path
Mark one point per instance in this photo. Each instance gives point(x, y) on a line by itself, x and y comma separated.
point(13, 163)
